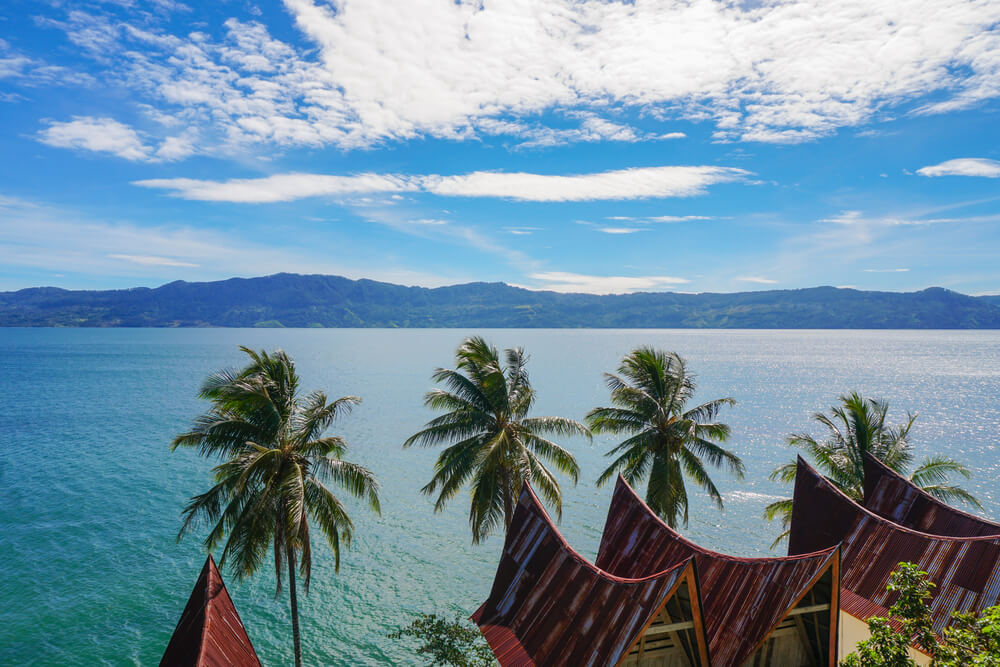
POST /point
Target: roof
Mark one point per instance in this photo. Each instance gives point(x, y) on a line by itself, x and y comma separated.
point(743, 599)
point(210, 631)
point(549, 605)
point(893, 497)
point(964, 570)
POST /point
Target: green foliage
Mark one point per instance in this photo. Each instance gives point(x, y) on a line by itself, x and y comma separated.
point(275, 468)
point(855, 426)
point(667, 442)
point(448, 642)
point(494, 444)
point(970, 641)
point(333, 301)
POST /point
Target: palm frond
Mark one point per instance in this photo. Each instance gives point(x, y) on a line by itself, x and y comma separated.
point(357, 480)
point(695, 469)
point(556, 426)
point(937, 469)
point(564, 461)
point(952, 494)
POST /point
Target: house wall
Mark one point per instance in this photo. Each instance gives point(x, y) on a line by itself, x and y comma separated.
point(853, 630)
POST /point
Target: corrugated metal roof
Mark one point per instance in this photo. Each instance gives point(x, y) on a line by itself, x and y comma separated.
point(744, 599)
point(893, 497)
point(965, 570)
point(210, 632)
point(549, 605)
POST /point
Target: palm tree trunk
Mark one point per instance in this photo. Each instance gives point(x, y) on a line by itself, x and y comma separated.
point(295, 607)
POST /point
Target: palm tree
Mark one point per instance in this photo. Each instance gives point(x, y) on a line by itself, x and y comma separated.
point(274, 470)
point(667, 442)
point(855, 426)
point(494, 445)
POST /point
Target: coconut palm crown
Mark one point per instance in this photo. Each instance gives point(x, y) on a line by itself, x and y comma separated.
point(494, 446)
point(854, 426)
point(275, 468)
point(667, 442)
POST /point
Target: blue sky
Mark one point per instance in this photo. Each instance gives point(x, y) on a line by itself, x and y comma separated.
point(575, 146)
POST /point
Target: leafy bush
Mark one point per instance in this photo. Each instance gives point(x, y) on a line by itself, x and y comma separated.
point(455, 642)
point(972, 640)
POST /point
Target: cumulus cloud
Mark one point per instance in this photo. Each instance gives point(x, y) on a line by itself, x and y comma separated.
point(106, 135)
point(559, 281)
point(622, 184)
point(102, 135)
point(968, 166)
point(381, 70)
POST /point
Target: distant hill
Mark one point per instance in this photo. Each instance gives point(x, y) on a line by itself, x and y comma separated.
point(991, 298)
point(292, 300)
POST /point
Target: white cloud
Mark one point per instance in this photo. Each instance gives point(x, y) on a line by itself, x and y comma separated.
point(281, 187)
point(151, 260)
point(777, 72)
point(969, 166)
point(592, 128)
point(106, 135)
point(860, 221)
point(177, 147)
point(623, 184)
point(757, 279)
point(886, 270)
point(660, 218)
point(103, 135)
point(620, 230)
point(521, 231)
point(559, 281)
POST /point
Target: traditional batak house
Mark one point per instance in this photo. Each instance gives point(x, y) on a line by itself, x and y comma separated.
point(893, 497)
point(964, 570)
point(550, 606)
point(653, 599)
point(757, 611)
point(210, 632)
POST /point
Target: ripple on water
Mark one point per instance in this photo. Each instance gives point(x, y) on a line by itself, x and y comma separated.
point(91, 494)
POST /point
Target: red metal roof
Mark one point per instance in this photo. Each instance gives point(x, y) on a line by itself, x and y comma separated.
point(893, 497)
point(965, 570)
point(210, 632)
point(549, 605)
point(743, 599)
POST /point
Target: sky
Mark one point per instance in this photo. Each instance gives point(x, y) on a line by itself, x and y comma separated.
point(570, 145)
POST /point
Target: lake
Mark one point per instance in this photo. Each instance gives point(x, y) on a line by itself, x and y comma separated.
point(90, 495)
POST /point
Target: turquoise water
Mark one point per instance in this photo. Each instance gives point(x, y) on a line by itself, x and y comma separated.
point(90, 494)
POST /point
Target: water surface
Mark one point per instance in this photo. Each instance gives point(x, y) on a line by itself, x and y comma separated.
point(90, 495)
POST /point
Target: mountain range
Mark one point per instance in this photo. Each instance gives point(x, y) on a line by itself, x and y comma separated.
point(293, 300)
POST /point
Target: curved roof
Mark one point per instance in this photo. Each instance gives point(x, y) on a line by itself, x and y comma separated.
point(893, 497)
point(549, 605)
point(965, 570)
point(743, 599)
point(210, 632)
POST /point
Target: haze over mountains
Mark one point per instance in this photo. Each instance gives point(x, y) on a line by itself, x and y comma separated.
point(293, 300)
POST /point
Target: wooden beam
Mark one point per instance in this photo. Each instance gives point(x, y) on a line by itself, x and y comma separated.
point(811, 609)
point(672, 627)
